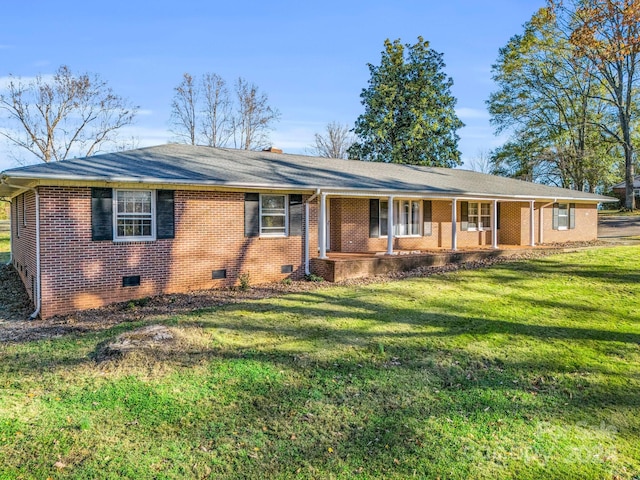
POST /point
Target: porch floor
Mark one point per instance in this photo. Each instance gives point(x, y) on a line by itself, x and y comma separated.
point(342, 266)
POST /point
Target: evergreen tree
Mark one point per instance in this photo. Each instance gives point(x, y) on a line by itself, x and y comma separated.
point(409, 112)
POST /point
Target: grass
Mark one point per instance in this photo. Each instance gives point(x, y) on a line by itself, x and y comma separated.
point(5, 246)
point(618, 213)
point(523, 370)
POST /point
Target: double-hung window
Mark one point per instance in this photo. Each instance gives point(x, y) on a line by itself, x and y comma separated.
point(384, 218)
point(406, 218)
point(563, 216)
point(134, 215)
point(479, 216)
point(273, 215)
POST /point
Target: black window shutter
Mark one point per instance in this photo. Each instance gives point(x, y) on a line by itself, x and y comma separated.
point(498, 212)
point(295, 215)
point(251, 215)
point(555, 216)
point(101, 214)
point(426, 218)
point(374, 218)
point(464, 216)
point(165, 214)
point(572, 215)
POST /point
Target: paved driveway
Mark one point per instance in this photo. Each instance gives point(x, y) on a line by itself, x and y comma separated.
point(622, 226)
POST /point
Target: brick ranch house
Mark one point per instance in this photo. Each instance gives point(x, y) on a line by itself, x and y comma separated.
point(92, 231)
point(620, 191)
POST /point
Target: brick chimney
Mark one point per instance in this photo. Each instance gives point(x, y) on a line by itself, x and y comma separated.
point(272, 150)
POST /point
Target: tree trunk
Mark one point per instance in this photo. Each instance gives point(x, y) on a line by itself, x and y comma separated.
point(629, 177)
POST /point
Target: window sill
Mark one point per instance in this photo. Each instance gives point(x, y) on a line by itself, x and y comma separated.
point(134, 240)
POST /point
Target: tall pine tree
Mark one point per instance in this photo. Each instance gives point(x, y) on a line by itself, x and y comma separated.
point(409, 112)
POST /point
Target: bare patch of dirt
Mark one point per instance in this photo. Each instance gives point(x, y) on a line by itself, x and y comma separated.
point(14, 301)
point(150, 338)
point(15, 326)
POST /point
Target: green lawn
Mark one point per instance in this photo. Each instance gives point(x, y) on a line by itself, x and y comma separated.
point(618, 213)
point(5, 246)
point(525, 370)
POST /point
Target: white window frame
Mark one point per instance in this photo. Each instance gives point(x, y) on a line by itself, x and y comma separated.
point(382, 217)
point(397, 204)
point(286, 216)
point(116, 215)
point(480, 226)
point(566, 215)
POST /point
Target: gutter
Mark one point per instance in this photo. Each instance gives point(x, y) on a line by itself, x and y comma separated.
point(349, 191)
point(37, 294)
point(306, 230)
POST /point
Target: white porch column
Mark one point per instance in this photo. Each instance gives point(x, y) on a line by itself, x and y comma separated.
point(541, 225)
point(532, 223)
point(454, 221)
point(322, 226)
point(390, 226)
point(494, 225)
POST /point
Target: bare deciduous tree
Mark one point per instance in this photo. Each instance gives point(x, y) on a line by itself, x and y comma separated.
point(217, 118)
point(481, 162)
point(254, 117)
point(62, 116)
point(335, 142)
point(184, 110)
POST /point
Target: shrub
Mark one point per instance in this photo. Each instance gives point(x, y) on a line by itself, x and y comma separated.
point(245, 283)
point(312, 277)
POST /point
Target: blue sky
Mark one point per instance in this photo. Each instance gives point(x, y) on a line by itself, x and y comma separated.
point(309, 57)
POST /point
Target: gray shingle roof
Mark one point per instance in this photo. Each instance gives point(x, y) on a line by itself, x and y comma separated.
point(636, 183)
point(189, 165)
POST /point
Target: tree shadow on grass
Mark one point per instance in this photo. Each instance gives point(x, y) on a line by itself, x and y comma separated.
point(393, 397)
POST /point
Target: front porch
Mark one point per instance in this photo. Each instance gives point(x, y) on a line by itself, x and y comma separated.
point(343, 266)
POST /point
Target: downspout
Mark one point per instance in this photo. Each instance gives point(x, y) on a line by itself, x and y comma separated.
point(306, 231)
point(37, 300)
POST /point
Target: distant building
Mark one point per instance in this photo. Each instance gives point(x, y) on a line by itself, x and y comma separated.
point(620, 191)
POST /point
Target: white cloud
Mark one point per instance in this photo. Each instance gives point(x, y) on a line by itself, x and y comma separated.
point(465, 113)
point(145, 136)
point(4, 81)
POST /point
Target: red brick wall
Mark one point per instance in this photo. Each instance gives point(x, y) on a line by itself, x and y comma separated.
point(510, 232)
point(586, 225)
point(78, 273)
point(350, 229)
point(23, 239)
point(515, 224)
